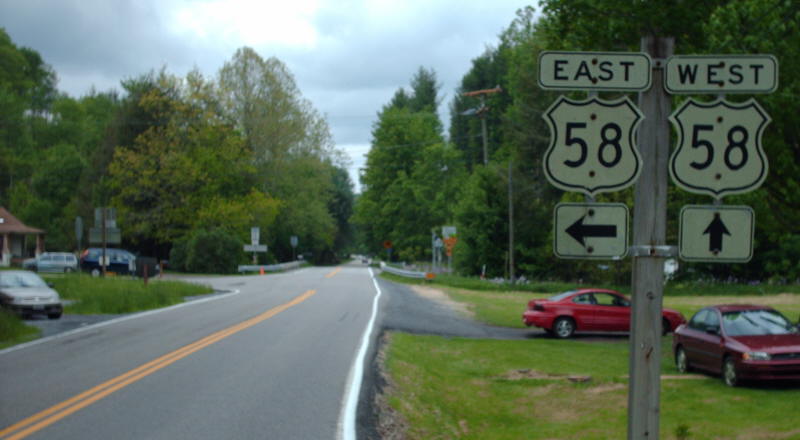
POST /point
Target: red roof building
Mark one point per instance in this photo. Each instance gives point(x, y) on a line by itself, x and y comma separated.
point(13, 235)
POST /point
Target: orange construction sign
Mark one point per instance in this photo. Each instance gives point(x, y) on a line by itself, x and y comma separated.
point(449, 244)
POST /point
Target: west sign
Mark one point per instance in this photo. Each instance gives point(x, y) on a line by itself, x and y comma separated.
point(721, 74)
point(592, 146)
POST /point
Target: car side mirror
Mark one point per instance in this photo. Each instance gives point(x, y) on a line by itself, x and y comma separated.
point(50, 284)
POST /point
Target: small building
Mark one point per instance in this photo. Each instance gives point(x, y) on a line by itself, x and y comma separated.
point(13, 238)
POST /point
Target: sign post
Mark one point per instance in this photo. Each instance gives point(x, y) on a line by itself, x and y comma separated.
point(254, 247)
point(649, 251)
point(293, 241)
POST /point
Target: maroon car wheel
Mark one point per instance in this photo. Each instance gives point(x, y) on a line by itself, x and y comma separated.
point(729, 373)
point(681, 362)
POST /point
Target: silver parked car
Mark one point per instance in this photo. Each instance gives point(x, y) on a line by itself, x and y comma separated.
point(26, 293)
point(60, 262)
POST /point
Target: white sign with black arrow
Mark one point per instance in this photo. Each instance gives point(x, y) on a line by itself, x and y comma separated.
point(716, 234)
point(591, 230)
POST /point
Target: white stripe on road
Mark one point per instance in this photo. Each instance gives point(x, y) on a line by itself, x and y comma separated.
point(115, 321)
point(347, 419)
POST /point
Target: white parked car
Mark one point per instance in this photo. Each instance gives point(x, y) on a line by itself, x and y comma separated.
point(60, 262)
point(26, 293)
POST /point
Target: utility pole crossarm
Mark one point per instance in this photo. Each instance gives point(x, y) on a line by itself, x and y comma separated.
point(496, 89)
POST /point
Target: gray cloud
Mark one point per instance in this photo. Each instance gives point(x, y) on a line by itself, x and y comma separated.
point(364, 51)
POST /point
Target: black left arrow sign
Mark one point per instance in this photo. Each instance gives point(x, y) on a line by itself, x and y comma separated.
point(715, 230)
point(580, 231)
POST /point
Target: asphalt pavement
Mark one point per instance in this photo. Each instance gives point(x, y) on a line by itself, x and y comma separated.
point(271, 361)
point(265, 357)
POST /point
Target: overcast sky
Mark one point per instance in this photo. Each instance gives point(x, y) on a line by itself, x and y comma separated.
point(348, 56)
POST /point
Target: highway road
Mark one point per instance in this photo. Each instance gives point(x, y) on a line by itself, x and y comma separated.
point(280, 356)
point(271, 360)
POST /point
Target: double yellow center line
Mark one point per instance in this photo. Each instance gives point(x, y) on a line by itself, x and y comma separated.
point(57, 412)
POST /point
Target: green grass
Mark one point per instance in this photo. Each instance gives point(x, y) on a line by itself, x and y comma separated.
point(14, 331)
point(114, 295)
point(487, 389)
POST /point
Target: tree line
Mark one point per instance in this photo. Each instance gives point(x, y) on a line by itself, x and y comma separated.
point(190, 163)
point(418, 179)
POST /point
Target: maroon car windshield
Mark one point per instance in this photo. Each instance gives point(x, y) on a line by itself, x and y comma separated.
point(756, 323)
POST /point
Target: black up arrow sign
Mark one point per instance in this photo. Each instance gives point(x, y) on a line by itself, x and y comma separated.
point(715, 230)
point(579, 231)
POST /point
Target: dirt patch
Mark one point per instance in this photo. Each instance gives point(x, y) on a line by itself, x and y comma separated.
point(441, 298)
point(533, 374)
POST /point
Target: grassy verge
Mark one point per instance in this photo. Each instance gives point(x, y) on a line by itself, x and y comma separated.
point(13, 330)
point(488, 389)
point(672, 288)
point(504, 307)
point(120, 295)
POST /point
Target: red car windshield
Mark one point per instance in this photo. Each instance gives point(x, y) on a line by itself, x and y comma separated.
point(756, 322)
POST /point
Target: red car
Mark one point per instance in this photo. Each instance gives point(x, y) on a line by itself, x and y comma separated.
point(739, 342)
point(588, 310)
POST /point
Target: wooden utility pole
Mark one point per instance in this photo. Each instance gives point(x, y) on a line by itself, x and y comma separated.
point(649, 249)
point(481, 112)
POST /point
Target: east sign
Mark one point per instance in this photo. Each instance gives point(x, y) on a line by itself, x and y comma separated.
point(592, 146)
point(688, 74)
point(612, 71)
point(719, 147)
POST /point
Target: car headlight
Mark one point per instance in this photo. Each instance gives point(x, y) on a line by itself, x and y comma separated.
point(756, 356)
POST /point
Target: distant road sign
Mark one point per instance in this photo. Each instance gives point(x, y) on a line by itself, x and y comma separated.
point(255, 248)
point(716, 234)
point(719, 147)
point(616, 71)
point(721, 74)
point(255, 235)
point(113, 236)
point(293, 240)
point(592, 146)
point(448, 231)
point(590, 230)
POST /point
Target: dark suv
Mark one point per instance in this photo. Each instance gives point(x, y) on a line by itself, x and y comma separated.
point(119, 261)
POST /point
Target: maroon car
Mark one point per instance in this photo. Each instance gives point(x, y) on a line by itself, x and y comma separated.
point(588, 310)
point(740, 342)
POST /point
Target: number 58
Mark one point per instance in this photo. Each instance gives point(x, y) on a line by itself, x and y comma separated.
point(610, 134)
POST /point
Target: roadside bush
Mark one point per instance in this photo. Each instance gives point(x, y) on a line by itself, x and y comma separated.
point(177, 256)
point(213, 251)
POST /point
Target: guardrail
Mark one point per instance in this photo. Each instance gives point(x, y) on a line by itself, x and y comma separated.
point(269, 267)
point(407, 273)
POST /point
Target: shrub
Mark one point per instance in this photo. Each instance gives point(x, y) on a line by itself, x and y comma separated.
point(213, 251)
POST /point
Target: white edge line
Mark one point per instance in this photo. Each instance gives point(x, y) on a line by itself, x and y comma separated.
point(115, 321)
point(347, 418)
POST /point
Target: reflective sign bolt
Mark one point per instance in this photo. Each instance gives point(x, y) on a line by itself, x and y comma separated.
point(593, 116)
point(590, 249)
point(594, 60)
point(718, 176)
point(591, 213)
point(719, 119)
point(591, 173)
